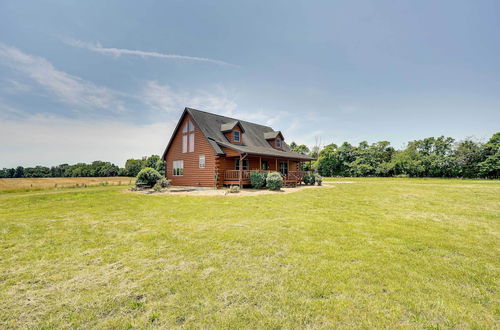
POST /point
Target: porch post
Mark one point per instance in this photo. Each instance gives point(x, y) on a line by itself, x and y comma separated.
point(260, 163)
point(240, 173)
point(276, 159)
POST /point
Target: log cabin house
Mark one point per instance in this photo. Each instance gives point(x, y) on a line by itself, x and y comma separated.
point(209, 150)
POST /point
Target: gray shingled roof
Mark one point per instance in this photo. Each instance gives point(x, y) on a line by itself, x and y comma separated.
point(254, 139)
point(271, 135)
point(229, 126)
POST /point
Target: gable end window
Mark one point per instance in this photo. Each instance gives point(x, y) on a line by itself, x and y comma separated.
point(201, 161)
point(191, 142)
point(188, 137)
point(178, 167)
point(236, 136)
point(278, 143)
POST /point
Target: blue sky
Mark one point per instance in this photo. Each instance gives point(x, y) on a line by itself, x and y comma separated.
point(87, 80)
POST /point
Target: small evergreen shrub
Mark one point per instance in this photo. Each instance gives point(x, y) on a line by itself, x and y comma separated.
point(308, 178)
point(148, 176)
point(157, 187)
point(234, 189)
point(257, 179)
point(274, 181)
point(163, 182)
point(318, 178)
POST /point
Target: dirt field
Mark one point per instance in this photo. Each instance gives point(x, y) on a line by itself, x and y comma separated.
point(44, 183)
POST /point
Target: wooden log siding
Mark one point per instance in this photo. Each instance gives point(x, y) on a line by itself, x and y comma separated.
point(193, 175)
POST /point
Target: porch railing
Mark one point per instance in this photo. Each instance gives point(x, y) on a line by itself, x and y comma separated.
point(234, 175)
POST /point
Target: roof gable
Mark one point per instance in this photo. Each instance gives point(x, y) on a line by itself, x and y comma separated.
point(273, 135)
point(227, 127)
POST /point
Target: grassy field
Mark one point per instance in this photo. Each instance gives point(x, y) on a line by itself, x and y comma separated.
point(45, 183)
point(396, 253)
point(48, 183)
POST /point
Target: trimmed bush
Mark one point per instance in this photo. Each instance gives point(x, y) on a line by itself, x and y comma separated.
point(258, 179)
point(308, 178)
point(318, 178)
point(274, 181)
point(163, 182)
point(148, 176)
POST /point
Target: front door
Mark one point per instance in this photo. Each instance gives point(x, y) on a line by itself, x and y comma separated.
point(284, 168)
point(265, 165)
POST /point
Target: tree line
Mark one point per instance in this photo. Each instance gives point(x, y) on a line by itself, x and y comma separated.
point(94, 169)
point(429, 157)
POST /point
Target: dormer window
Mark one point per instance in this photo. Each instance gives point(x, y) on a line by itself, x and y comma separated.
point(233, 131)
point(275, 139)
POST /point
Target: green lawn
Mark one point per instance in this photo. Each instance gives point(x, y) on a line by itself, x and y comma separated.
point(398, 253)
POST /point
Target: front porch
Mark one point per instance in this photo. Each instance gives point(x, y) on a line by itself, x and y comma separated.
point(236, 170)
point(232, 177)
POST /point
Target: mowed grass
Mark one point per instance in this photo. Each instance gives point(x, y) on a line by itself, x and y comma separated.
point(393, 253)
point(13, 184)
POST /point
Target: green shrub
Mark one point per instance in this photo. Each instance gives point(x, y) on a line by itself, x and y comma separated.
point(308, 178)
point(148, 176)
point(258, 179)
point(163, 182)
point(318, 178)
point(274, 181)
point(157, 187)
point(234, 189)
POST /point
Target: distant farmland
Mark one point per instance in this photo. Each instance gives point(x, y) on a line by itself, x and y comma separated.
point(44, 183)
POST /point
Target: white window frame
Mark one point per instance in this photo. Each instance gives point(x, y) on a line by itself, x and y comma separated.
point(278, 143)
point(191, 142)
point(184, 143)
point(239, 136)
point(178, 168)
point(188, 137)
point(201, 161)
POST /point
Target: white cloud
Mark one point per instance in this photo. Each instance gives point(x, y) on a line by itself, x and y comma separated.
point(67, 88)
point(51, 140)
point(163, 98)
point(117, 52)
point(12, 86)
point(7, 110)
